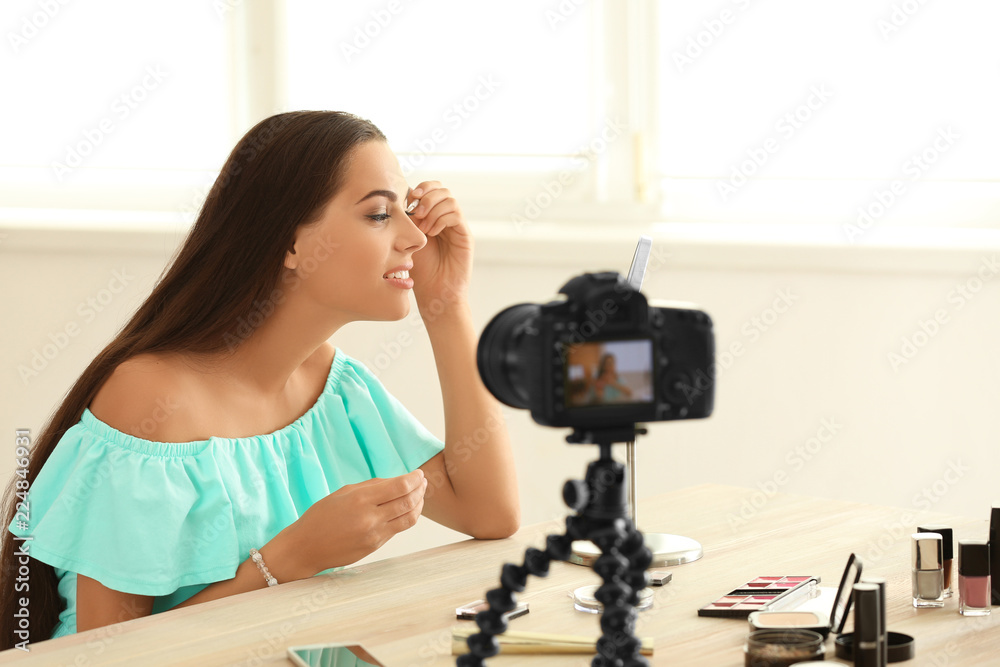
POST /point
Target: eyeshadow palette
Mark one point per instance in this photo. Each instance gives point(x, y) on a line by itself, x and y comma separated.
point(761, 594)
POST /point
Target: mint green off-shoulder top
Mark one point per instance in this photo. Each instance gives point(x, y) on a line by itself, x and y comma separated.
point(168, 519)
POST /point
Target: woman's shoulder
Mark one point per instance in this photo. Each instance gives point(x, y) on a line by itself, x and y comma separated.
point(169, 397)
point(150, 396)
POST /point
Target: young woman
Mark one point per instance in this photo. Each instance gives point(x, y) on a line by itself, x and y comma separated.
point(221, 422)
point(608, 387)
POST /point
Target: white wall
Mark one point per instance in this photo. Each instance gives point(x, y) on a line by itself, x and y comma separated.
point(921, 436)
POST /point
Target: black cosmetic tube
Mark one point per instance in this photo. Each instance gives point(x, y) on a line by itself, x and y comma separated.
point(995, 555)
point(867, 630)
point(883, 621)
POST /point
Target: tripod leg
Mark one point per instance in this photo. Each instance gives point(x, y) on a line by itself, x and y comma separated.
point(513, 579)
point(622, 566)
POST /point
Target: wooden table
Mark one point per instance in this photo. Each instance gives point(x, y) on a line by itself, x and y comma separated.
point(402, 609)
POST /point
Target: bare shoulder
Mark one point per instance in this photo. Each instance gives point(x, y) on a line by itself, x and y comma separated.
point(320, 360)
point(148, 396)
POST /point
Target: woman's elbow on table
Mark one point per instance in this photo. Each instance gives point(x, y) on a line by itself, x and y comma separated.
point(498, 523)
point(98, 606)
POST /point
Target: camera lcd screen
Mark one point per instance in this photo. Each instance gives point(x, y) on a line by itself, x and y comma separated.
point(611, 372)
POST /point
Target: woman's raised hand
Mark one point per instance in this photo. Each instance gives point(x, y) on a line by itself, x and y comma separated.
point(441, 269)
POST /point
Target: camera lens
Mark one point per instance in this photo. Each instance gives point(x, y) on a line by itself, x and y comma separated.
point(505, 351)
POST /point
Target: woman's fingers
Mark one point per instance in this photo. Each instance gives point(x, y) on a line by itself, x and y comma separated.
point(379, 491)
point(425, 187)
point(402, 513)
point(445, 214)
point(428, 201)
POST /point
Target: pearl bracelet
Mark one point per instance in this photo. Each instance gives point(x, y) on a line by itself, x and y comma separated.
point(259, 560)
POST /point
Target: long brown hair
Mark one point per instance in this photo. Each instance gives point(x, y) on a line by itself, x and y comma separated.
point(278, 177)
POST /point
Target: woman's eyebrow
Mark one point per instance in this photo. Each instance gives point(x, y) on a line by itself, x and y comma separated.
point(388, 194)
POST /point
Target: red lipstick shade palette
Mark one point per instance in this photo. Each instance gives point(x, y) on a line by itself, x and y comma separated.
point(761, 594)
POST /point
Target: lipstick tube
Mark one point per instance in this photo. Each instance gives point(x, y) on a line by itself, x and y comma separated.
point(883, 620)
point(973, 578)
point(928, 570)
point(867, 626)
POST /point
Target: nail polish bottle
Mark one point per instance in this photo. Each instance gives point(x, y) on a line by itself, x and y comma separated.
point(973, 578)
point(928, 570)
point(948, 551)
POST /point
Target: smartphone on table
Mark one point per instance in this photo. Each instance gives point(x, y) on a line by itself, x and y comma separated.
point(332, 655)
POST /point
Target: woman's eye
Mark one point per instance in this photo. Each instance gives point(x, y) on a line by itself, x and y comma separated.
point(380, 217)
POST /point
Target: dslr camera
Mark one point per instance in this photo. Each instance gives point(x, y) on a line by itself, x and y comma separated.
point(600, 357)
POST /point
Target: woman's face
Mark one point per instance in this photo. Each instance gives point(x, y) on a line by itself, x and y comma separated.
point(350, 261)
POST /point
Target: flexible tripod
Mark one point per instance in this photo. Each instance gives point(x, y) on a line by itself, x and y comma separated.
point(602, 517)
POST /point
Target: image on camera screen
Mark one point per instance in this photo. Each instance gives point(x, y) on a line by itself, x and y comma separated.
point(609, 373)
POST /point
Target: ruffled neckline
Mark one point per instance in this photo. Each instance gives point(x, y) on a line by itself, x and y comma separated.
point(128, 441)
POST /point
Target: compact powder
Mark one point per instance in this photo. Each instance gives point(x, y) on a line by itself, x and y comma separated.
point(789, 619)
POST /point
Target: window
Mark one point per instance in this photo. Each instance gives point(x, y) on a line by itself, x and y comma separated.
point(491, 98)
point(110, 103)
point(854, 112)
point(788, 111)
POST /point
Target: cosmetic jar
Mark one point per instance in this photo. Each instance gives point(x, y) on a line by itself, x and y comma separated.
point(585, 599)
point(782, 648)
point(973, 578)
point(928, 570)
point(902, 647)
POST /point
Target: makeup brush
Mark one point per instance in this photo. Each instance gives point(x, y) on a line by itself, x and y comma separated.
point(536, 642)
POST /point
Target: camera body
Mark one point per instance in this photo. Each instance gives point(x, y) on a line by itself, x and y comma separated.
point(600, 358)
